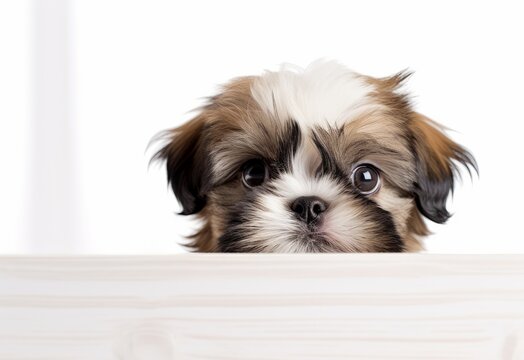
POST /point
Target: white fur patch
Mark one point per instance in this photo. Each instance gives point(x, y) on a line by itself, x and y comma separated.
point(399, 207)
point(325, 93)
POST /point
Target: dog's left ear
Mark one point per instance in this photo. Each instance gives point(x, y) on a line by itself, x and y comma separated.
point(186, 158)
point(437, 157)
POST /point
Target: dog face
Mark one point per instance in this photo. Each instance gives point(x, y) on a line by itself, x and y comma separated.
point(314, 160)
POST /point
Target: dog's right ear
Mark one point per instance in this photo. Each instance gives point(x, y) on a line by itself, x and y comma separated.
point(437, 158)
point(186, 157)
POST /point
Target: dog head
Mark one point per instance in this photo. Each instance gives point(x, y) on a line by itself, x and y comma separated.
point(320, 159)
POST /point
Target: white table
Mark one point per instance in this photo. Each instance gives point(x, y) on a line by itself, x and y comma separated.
point(247, 307)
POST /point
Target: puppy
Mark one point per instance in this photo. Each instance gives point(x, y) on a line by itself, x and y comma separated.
point(320, 159)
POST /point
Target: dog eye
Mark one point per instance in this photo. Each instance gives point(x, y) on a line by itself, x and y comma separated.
point(254, 173)
point(366, 179)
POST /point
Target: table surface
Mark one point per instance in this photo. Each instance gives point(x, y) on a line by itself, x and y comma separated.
point(252, 306)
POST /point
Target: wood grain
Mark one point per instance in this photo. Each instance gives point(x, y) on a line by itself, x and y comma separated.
point(197, 306)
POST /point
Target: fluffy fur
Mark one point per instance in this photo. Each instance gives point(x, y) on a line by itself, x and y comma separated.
point(311, 127)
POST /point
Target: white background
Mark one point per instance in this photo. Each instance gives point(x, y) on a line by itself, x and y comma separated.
point(133, 68)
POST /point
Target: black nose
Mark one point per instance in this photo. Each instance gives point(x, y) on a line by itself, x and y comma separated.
point(308, 208)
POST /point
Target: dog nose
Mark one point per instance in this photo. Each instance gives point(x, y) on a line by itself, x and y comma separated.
point(308, 208)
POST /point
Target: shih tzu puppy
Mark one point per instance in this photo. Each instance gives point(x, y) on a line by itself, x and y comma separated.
point(320, 159)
